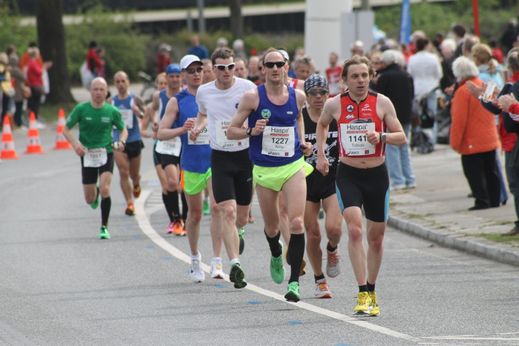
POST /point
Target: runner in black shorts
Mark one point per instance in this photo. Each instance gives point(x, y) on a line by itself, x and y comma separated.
point(321, 189)
point(366, 122)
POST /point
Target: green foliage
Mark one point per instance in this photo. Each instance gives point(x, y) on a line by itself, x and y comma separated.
point(124, 46)
point(11, 32)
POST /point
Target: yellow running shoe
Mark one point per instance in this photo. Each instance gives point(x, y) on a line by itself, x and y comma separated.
point(374, 309)
point(363, 303)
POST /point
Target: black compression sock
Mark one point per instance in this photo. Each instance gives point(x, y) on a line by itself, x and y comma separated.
point(106, 204)
point(274, 245)
point(371, 287)
point(363, 288)
point(318, 277)
point(173, 203)
point(330, 248)
point(295, 255)
point(169, 210)
point(184, 205)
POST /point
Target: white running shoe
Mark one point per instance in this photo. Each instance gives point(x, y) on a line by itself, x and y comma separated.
point(196, 273)
point(322, 290)
point(216, 268)
point(332, 263)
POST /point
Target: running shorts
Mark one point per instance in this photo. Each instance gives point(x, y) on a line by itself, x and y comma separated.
point(368, 188)
point(193, 183)
point(133, 149)
point(89, 174)
point(320, 187)
point(232, 176)
point(274, 178)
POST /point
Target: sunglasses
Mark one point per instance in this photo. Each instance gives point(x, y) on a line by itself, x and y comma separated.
point(193, 70)
point(271, 64)
point(321, 92)
point(223, 67)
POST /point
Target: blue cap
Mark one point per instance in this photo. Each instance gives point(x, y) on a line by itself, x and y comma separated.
point(173, 68)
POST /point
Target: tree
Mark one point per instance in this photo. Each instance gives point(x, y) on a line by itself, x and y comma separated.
point(236, 19)
point(51, 40)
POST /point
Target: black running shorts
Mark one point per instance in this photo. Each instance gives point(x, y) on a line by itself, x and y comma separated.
point(368, 188)
point(133, 149)
point(89, 174)
point(232, 176)
point(319, 187)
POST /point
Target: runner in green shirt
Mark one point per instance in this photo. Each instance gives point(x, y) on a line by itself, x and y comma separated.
point(96, 119)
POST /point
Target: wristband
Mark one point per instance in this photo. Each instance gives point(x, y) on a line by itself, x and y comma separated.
point(248, 132)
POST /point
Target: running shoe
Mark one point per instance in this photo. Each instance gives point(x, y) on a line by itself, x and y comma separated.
point(237, 276)
point(322, 290)
point(277, 271)
point(216, 268)
point(178, 228)
point(196, 273)
point(205, 208)
point(332, 264)
point(293, 292)
point(241, 233)
point(363, 303)
point(170, 227)
point(95, 203)
point(103, 233)
point(130, 209)
point(374, 309)
point(136, 191)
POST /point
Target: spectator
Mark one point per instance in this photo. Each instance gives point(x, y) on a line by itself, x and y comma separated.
point(474, 136)
point(254, 70)
point(509, 35)
point(303, 67)
point(489, 69)
point(426, 70)
point(497, 53)
point(35, 82)
point(447, 48)
point(469, 42)
point(93, 60)
point(397, 84)
point(163, 58)
point(459, 32)
point(197, 48)
point(208, 73)
point(333, 74)
point(6, 86)
point(221, 42)
point(240, 70)
point(21, 91)
point(357, 48)
point(238, 46)
point(25, 56)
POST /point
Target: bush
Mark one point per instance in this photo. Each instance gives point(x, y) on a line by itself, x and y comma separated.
point(14, 33)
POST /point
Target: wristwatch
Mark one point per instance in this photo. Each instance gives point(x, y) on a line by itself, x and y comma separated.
point(383, 137)
point(248, 132)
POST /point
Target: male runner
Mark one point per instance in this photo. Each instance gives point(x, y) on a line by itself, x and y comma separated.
point(96, 119)
point(366, 121)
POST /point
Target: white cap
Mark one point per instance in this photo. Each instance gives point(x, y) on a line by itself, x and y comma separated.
point(188, 60)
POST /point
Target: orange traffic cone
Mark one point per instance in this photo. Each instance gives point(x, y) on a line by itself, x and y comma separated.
point(61, 141)
point(8, 152)
point(34, 146)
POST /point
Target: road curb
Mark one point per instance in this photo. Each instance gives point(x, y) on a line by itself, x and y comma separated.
point(457, 242)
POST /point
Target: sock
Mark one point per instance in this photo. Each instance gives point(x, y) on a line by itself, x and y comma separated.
point(173, 204)
point(235, 261)
point(330, 248)
point(363, 288)
point(297, 250)
point(169, 210)
point(106, 204)
point(184, 205)
point(196, 257)
point(318, 277)
point(274, 245)
point(371, 287)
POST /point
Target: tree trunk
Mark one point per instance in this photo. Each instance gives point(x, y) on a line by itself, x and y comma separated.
point(236, 18)
point(51, 40)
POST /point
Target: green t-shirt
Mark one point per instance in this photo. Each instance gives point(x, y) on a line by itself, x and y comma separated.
point(95, 124)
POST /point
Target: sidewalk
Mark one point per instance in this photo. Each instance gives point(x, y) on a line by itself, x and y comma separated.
point(437, 210)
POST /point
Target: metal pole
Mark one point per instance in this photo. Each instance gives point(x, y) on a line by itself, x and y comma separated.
point(365, 5)
point(201, 19)
point(189, 21)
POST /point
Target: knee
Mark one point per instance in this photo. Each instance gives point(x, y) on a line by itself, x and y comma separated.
point(375, 243)
point(229, 212)
point(296, 224)
point(104, 191)
point(355, 233)
point(314, 235)
point(334, 232)
point(172, 184)
point(124, 174)
point(195, 214)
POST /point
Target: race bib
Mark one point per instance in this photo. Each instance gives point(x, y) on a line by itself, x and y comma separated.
point(278, 141)
point(221, 136)
point(201, 139)
point(127, 115)
point(95, 158)
point(170, 147)
point(354, 139)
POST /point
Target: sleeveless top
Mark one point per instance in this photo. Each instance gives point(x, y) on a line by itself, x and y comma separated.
point(331, 149)
point(129, 118)
point(279, 144)
point(355, 121)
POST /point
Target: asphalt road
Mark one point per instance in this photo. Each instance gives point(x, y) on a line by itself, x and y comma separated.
point(60, 285)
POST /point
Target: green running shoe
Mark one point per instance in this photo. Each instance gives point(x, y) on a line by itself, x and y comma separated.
point(237, 276)
point(293, 292)
point(205, 208)
point(241, 233)
point(95, 203)
point(277, 271)
point(103, 233)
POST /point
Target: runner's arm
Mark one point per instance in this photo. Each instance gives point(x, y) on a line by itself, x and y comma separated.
point(331, 107)
point(170, 116)
point(248, 103)
point(305, 146)
point(138, 107)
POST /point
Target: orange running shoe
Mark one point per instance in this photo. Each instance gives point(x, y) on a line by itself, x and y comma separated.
point(136, 191)
point(130, 209)
point(178, 228)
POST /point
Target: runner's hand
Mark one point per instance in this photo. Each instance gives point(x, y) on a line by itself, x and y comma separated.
point(195, 131)
point(373, 137)
point(80, 149)
point(322, 164)
point(504, 102)
point(306, 148)
point(259, 127)
point(155, 130)
point(189, 124)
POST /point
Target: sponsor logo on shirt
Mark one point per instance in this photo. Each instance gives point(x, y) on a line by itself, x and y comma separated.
point(265, 113)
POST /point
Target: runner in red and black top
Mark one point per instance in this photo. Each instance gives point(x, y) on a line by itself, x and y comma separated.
point(321, 189)
point(362, 180)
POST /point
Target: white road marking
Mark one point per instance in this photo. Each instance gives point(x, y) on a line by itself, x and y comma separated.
point(148, 230)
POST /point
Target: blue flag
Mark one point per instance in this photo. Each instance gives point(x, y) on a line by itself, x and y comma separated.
point(405, 22)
